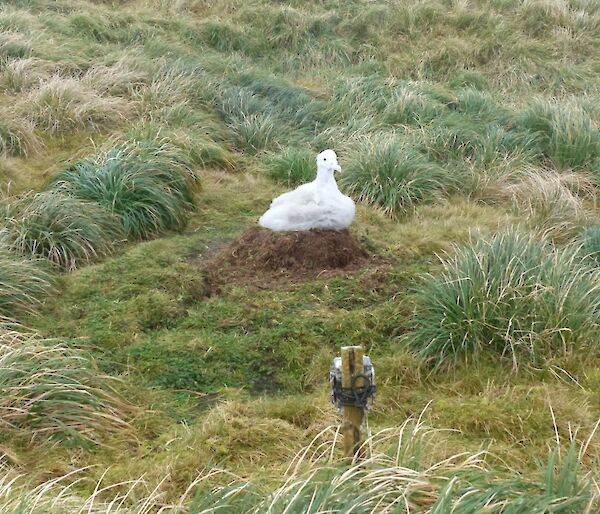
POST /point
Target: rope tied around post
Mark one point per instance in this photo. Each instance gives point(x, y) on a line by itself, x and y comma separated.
point(352, 379)
point(355, 396)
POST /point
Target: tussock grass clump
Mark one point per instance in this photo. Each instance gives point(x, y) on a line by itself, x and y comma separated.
point(52, 391)
point(461, 138)
point(17, 136)
point(263, 112)
point(116, 80)
point(23, 282)
point(393, 175)
point(491, 184)
point(179, 115)
point(589, 240)
point(365, 97)
point(291, 167)
point(14, 45)
point(510, 294)
point(62, 105)
point(100, 26)
point(541, 17)
point(23, 74)
point(478, 105)
point(90, 25)
point(206, 153)
point(471, 79)
point(201, 150)
point(66, 230)
point(565, 133)
point(408, 105)
point(180, 6)
point(169, 87)
point(233, 102)
point(283, 26)
point(552, 201)
point(395, 472)
point(194, 146)
point(224, 37)
point(254, 132)
point(287, 101)
point(149, 185)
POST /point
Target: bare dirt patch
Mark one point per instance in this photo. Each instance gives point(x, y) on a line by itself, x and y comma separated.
point(265, 259)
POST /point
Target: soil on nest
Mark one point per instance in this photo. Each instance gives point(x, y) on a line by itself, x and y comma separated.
point(260, 256)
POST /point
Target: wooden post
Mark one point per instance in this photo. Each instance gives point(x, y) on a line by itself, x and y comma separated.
point(352, 364)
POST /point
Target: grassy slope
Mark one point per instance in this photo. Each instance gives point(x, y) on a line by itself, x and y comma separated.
point(240, 376)
point(156, 325)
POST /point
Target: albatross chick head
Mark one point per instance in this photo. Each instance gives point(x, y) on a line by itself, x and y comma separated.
point(327, 160)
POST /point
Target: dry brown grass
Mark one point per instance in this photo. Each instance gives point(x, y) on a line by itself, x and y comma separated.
point(17, 135)
point(62, 105)
point(119, 79)
point(52, 391)
point(20, 75)
point(556, 204)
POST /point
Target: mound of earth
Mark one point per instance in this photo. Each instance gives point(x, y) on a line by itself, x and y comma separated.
point(261, 255)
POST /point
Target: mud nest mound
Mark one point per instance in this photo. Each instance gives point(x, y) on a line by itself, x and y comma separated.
point(261, 255)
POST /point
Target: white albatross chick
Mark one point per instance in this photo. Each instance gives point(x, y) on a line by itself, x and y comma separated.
point(317, 204)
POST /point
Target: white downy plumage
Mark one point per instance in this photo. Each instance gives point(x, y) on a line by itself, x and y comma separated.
point(317, 204)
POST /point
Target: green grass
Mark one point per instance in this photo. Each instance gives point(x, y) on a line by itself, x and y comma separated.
point(14, 45)
point(393, 175)
point(589, 240)
point(147, 185)
point(184, 336)
point(51, 391)
point(512, 295)
point(566, 134)
point(254, 132)
point(410, 105)
point(316, 480)
point(63, 229)
point(291, 167)
point(23, 283)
